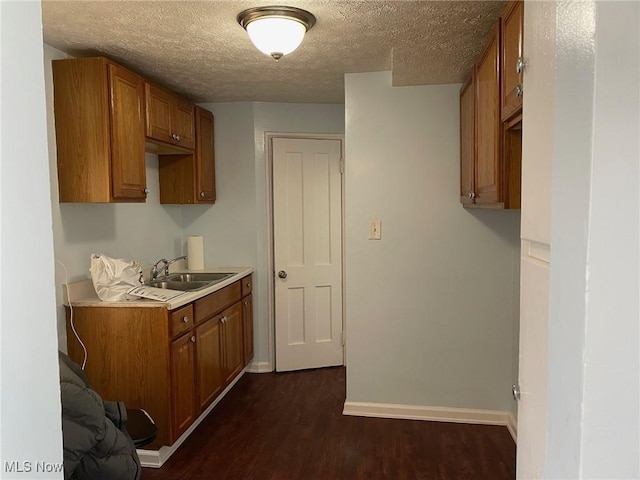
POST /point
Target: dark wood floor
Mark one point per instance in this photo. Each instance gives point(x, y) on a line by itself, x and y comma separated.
point(290, 426)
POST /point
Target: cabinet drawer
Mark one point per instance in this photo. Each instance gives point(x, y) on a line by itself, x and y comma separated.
point(217, 301)
point(247, 285)
point(180, 320)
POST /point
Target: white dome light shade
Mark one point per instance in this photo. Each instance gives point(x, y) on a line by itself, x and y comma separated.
point(276, 31)
point(276, 36)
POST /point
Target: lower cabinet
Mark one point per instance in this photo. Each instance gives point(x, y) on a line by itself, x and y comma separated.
point(233, 341)
point(209, 361)
point(182, 381)
point(247, 320)
point(173, 364)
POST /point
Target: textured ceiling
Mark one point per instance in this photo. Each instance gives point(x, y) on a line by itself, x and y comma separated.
point(196, 48)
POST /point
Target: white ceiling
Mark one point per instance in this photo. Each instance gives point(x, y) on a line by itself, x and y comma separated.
point(197, 48)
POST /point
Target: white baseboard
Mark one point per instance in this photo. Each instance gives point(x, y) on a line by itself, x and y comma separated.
point(437, 414)
point(259, 367)
point(512, 425)
point(157, 458)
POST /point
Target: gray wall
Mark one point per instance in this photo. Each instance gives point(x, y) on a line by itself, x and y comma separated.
point(431, 308)
point(30, 428)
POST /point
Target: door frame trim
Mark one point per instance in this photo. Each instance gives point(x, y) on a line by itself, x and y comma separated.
point(271, 304)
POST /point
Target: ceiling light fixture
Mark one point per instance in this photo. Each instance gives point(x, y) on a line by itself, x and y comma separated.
point(276, 31)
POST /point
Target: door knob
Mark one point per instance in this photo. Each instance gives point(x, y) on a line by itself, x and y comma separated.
point(282, 274)
point(515, 391)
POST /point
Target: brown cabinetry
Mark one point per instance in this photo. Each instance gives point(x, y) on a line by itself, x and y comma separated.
point(205, 157)
point(172, 363)
point(183, 380)
point(189, 178)
point(512, 60)
point(467, 140)
point(247, 318)
point(233, 342)
point(490, 150)
point(169, 119)
point(210, 368)
point(487, 171)
point(107, 117)
point(99, 131)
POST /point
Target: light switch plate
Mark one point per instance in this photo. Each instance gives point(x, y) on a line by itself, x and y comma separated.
point(374, 229)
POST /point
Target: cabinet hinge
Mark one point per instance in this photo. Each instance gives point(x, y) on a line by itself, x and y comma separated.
point(341, 166)
point(344, 338)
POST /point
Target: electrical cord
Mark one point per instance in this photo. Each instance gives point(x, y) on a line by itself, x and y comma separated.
point(73, 327)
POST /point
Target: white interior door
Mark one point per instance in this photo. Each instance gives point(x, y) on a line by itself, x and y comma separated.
point(307, 230)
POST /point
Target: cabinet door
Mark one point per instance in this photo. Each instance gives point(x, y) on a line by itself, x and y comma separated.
point(182, 384)
point(128, 174)
point(511, 51)
point(467, 140)
point(182, 123)
point(158, 113)
point(209, 364)
point(247, 331)
point(233, 341)
point(205, 157)
point(83, 139)
point(488, 125)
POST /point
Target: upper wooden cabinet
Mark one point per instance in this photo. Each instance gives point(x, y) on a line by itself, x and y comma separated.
point(190, 178)
point(467, 140)
point(107, 117)
point(512, 60)
point(169, 119)
point(205, 157)
point(488, 129)
point(491, 121)
point(99, 131)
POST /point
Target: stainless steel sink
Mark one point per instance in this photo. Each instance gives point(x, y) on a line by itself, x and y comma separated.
point(198, 277)
point(188, 282)
point(182, 286)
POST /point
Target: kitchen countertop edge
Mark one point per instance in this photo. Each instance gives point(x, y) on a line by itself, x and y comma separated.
point(186, 298)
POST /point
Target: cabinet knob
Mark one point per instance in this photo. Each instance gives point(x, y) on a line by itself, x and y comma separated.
point(471, 195)
point(185, 319)
point(223, 320)
point(173, 136)
point(201, 194)
point(282, 274)
point(246, 303)
point(146, 191)
point(177, 138)
point(520, 65)
point(193, 339)
point(248, 284)
point(519, 90)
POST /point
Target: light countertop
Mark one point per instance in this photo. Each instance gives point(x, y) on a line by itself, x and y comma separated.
point(82, 293)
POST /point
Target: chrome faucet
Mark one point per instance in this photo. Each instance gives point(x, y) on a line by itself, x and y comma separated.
point(156, 270)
